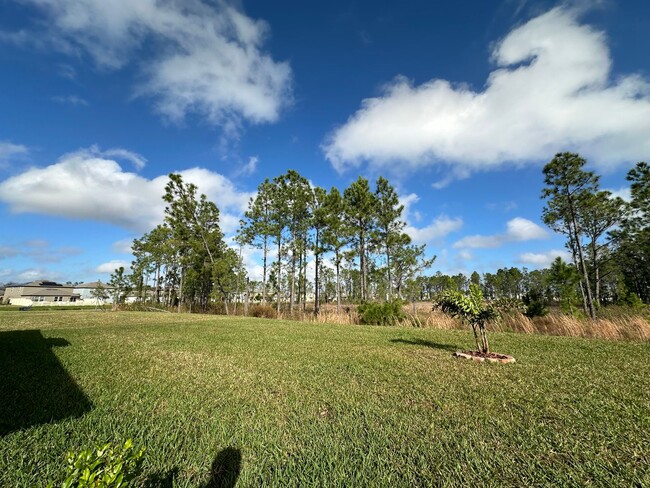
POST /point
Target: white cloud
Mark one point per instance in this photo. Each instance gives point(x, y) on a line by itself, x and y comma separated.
point(248, 168)
point(548, 92)
point(39, 251)
point(8, 151)
point(407, 201)
point(111, 266)
point(623, 192)
point(122, 246)
point(8, 252)
point(33, 274)
point(543, 260)
point(66, 71)
point(465, 255)
point(87, 185)
point(437, 229)
point(196, 57)
point(70, 100)
point(518, 229)
point(136, 159)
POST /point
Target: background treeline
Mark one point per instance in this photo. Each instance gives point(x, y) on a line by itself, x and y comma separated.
point(185, 261)
point(356, 248)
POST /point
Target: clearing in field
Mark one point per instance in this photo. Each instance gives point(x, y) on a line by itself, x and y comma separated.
point(223, 400)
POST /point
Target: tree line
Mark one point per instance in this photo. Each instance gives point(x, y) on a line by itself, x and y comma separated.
point(293, 225)
point(354, 241)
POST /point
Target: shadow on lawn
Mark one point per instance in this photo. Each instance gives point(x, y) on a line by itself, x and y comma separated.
point(35, 388)
point(225, 469)
point(223, 472)
point(421, 342)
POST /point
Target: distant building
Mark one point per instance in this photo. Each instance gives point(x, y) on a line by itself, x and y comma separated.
point(39, 293)
point(85, 292)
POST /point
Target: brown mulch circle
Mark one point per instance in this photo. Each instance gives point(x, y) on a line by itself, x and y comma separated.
point(492, 357)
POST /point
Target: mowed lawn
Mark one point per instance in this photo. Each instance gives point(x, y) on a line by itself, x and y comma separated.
point(218, 400)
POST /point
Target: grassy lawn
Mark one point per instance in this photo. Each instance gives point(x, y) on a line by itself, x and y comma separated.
point(273, 403)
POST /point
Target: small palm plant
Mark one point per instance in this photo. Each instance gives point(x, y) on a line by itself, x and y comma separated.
point(471, 309)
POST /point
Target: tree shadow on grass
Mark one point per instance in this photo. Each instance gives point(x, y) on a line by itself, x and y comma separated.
point(162, 480)
point(225, 469)
point(35, 388)
point(422, 342)
point(224, 472)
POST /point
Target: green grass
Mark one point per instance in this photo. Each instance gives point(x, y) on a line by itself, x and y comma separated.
point(273, 403)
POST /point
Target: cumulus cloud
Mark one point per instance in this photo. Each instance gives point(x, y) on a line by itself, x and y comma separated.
point(198, 57)
point(550, 91)
point(543, 260)
point(111, 266)
point(88, 185)
point(437, 229)
point(518, 229)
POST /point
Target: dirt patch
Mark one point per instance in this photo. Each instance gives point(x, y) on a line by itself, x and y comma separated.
point(492, 357)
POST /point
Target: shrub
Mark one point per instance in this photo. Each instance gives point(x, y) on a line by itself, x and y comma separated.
point(388, 313)
point(104, 466)
point(472, 309)
point(535, 304)
point(262, 311)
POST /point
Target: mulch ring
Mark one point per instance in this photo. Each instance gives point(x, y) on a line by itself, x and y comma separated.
point(492, 357)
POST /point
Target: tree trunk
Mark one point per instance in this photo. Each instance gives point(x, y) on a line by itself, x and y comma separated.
point(362, 267)
point(292, 283)
point(304, 277)
point(478, 347)
point(572, 244)
point(338, 284)
point(246, 298)
point(157, 296)
point(316, 276)
point(180, 292)
point(594, 253)
point(279, 277)
point(266, 250)
point(585, 274)
point(390, 278)
point(484, 340)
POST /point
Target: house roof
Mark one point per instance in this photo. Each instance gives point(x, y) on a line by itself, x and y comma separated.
point(40, 283)
point(92, 285)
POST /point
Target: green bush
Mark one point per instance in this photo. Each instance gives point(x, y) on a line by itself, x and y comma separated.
point(535, 304)
point(388, 313)
point(104, 466)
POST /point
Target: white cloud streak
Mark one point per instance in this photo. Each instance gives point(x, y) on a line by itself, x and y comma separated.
point(70, 100)
point(9, 151)
point(518, 229)
point(197, 57)
point(249, 168)
point(543, 260)
point(550, 91)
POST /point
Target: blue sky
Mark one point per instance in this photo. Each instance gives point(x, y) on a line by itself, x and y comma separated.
point(459, 104)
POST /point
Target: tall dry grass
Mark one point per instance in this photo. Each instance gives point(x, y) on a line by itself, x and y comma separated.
point(619, 326)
